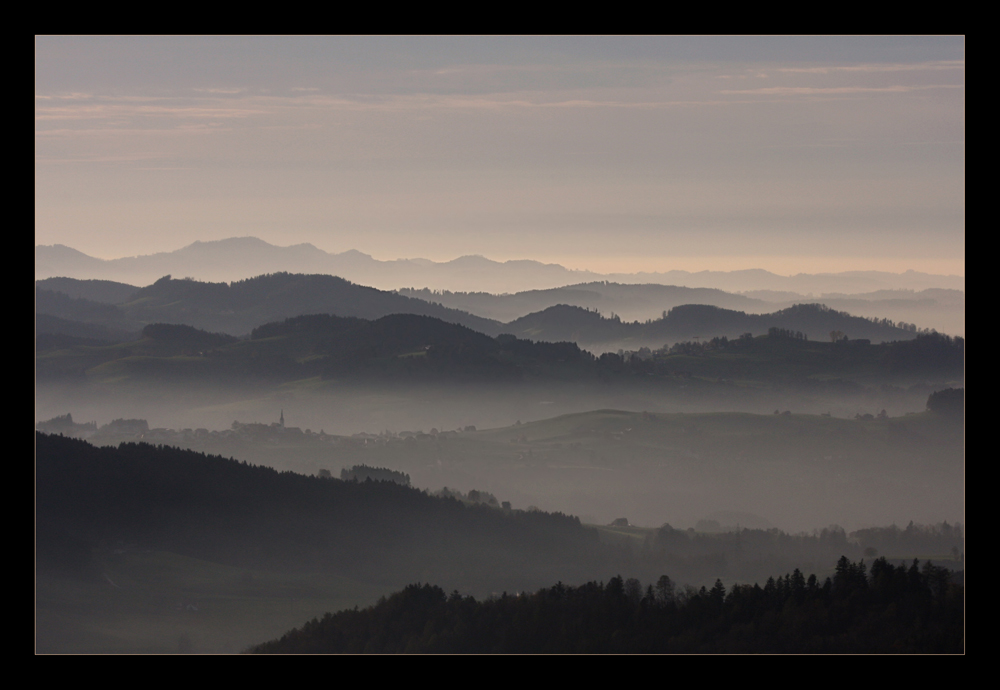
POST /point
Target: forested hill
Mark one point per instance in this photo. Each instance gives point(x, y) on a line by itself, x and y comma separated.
point(699, 321)
point(932, 307)
point(892, 609)
point(105, 291)
point(239, 307)
point(631, 302)
point(406, 346)
point(230, 512)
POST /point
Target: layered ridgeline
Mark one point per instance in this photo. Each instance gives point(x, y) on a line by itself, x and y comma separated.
point(234, 258)
point(239, 307)
point(941, 309)
point(715, 472)
point(235, 308)
point(145, 548)
point(405, 346)
point(889, 610)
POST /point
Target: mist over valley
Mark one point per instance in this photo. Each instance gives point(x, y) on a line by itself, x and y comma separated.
point(499, 344)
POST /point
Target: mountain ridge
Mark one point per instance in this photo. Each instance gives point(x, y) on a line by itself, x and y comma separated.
point(239, 307)
point(234, 258)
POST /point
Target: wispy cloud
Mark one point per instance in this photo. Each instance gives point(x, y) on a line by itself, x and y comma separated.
point(478, 102)
point(835, 90)
point(121, 158)
point(922, 66)
point(103, 110)
point(222, 90)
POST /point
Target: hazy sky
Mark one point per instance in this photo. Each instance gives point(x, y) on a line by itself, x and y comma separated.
point(614, 154)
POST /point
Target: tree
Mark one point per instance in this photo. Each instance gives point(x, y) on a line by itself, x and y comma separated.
point(633, 590)
point(664, 590)
point(948, 403)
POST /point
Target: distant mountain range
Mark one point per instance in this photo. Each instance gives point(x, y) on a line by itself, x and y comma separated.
point(238, 258)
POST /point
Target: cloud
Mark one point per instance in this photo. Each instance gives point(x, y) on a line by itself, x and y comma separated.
point(836, 90)
point(923, 66)
point(226, 90)
point(128, 108)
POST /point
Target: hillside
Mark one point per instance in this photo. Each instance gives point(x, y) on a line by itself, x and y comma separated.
point(233, 513)
point(795, 471)
point(940, 309)
point(154, 549)
point(630, 302)
point(894, 610)
point(424, 348)
point(146, 548)
point(697, 321)
point(239, 307)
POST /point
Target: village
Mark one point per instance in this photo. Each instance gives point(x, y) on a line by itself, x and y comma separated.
point(137, 430)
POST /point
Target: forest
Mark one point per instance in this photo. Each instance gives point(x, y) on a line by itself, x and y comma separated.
point(101, 512)
point(878, 609)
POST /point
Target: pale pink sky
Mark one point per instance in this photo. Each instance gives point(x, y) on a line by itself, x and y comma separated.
point(613, 154)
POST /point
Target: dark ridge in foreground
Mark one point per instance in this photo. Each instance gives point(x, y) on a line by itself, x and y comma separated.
point(892, 609)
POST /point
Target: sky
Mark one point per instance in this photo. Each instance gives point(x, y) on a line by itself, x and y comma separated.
point(614, 154)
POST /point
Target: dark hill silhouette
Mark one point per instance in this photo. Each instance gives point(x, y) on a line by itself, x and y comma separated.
point(895, 609)
point(239, 307)
point(230, 512)
point(697, 321)
point(628, 301)
point(61, 305)
point(186, 337)
point(52, 329)
point(409, 346)
point(575, 324)
point(104, 291)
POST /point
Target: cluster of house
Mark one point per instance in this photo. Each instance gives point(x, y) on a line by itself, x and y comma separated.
point(868, 417)
point(65, 425)
point(120, 430)
point(138, 430)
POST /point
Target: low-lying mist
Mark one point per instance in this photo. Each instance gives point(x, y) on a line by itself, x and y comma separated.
point(793, 461)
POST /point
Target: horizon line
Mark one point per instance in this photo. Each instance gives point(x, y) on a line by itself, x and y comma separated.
point(507, 261)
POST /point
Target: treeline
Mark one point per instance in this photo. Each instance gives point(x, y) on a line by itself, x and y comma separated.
point(785, 353)
point(562, 322)
point(949, 402)
point(891, 609)
point(753, 553)
point(362, 473)
point(407, 346)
